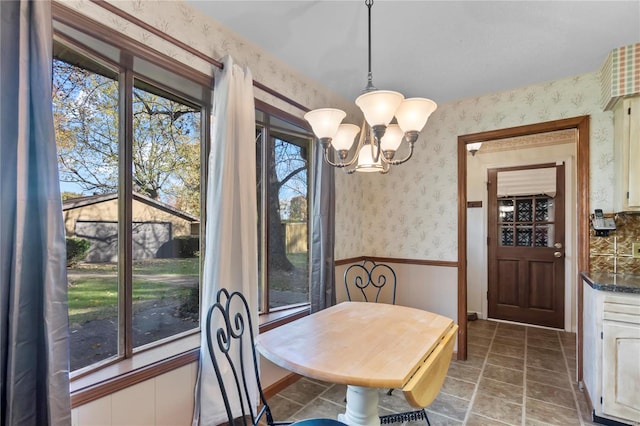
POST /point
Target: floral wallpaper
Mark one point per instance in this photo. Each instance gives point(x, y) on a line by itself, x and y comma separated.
point(412, 212)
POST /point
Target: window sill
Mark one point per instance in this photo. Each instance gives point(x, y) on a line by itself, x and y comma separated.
point(275, 319)
point(159, 360)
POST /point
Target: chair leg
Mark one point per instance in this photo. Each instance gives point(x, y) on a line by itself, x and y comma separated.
point(390, 391)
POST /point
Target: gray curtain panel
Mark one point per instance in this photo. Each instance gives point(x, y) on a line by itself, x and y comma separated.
point(34, 352)
point(323, 281)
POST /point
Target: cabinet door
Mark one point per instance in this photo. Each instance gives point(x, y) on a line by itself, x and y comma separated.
point(634, 152)
point(621, 370)
point(626, 136)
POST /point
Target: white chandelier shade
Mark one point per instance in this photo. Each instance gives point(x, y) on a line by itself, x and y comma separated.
point(366, 162)
point(325, 121)
point(413, 113)
point(345, 136)
point(379, 106)
point(392, 138)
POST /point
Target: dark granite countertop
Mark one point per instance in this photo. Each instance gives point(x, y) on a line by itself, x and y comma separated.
point(607, 281)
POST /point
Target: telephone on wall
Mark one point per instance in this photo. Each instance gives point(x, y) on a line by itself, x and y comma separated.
point(602, 225)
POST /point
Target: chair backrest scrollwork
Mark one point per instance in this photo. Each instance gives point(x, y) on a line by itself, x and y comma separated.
point(230, 342)
point(370, 282)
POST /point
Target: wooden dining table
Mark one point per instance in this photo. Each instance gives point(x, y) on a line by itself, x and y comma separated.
point(366, 346)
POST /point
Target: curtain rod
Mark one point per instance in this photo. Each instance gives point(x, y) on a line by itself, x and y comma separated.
point(124, 15)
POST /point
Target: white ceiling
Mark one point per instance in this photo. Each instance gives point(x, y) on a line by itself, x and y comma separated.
point(443, 50)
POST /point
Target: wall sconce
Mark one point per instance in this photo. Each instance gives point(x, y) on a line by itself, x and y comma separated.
point(473, 147)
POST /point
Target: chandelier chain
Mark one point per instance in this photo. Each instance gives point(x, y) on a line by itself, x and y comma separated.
point(370, 85)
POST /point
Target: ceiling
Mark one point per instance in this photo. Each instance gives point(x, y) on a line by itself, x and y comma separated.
point(443, 50)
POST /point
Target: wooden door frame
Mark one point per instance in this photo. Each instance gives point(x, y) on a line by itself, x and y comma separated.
point(581, 124)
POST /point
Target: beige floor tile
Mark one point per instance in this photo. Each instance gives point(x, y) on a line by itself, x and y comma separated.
point(551, 394)
point(458, 388)
point(480, 332)
point(336, 393)
point(506, 361)
point(303, 391)
point(505, 391)
point(543, 333)
point(283, 409)
point(550, 414)
point(510, 341)
point(478, 420)
point(552, 363)
point(483, 341)
point(502, 374)
point(508, 350)
point(482, 324)
point(476, 361)
point(552, 344)
point(459, 370)
point(477, 350)
point(547, 377)
point(450, 406)
point(439, 420)
point(498, 409)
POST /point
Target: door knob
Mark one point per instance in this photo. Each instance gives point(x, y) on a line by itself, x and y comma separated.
point(557, 254)
point(558, 245)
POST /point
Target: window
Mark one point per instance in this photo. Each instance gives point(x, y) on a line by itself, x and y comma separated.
point(283, 156)
point(129, 153)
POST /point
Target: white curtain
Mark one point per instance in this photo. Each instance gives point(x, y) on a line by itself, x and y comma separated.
point(231, 244)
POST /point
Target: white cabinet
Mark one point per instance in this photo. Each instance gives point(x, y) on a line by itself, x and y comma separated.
point(611, 353)
point(626, 136)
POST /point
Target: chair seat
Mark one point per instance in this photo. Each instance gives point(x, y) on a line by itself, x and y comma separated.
point(318, 422)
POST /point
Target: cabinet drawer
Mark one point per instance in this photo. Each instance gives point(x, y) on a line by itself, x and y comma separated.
point(625, 312)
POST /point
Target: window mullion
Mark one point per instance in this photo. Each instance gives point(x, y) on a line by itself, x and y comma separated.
point(264, 238)
point(125, 248)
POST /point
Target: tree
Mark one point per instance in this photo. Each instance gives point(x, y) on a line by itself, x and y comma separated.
point(287, 174)
point(165, 141)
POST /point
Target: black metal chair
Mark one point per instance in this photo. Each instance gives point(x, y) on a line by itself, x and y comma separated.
point(370, 282)
point(376, 282)
point(230, 341)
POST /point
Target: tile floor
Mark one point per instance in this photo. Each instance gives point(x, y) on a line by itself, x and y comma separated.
point(514, 375)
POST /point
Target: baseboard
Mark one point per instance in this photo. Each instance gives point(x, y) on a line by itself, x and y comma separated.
point(607, 422)
point(280, 385)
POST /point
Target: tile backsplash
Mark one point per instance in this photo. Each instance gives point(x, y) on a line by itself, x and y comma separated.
point(614, 253)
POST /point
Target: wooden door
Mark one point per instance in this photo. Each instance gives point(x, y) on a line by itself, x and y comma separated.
point(526, 248)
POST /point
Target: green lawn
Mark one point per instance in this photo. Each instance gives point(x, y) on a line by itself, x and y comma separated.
point(93, 288)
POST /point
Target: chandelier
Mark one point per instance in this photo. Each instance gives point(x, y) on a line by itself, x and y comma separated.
point(389, 119)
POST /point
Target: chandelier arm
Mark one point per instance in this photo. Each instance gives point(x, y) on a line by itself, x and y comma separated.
point(356, 154)
point(404, 160)
point(331, 163)
point(341, 164)
point(375, 153)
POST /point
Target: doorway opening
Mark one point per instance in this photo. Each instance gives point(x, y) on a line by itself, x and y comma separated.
point(581, 126)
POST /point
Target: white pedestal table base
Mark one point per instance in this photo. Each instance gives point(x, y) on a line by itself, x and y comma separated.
point(362, 407)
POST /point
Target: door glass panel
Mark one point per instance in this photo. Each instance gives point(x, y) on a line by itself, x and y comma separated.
point(524, 235)
point(506, 235)
point(505, 210)
point(524, 210)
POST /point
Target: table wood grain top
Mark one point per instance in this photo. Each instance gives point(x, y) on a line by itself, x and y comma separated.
point(356, 343)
